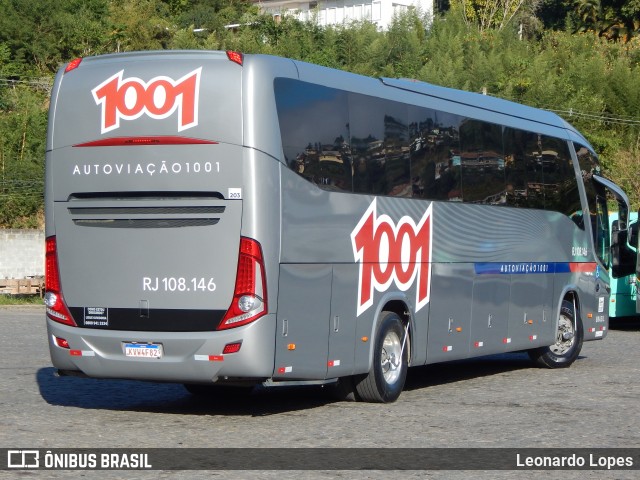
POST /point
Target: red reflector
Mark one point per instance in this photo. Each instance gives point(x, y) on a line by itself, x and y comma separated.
point(142, 141)
point(235, 57)
point(73, 64)
point(75, 353)
point(232, 348)
point(61, 342)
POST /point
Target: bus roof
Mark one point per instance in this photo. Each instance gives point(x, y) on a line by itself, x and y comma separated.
point(464, 99)
point(486, 102)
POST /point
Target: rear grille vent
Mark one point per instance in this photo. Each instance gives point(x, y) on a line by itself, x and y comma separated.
point(147, 223)
point(145, 210)
point(139, 214)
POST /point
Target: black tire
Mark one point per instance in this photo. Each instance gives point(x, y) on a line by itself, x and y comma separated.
point(566, 350)
point(385, 380)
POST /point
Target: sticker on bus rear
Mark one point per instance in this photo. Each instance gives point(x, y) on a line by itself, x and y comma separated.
point(391, 253)
point(130, 98)
point(96, 317)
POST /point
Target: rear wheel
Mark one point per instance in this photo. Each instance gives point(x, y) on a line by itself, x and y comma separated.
point(385, 380)
point(569, 337)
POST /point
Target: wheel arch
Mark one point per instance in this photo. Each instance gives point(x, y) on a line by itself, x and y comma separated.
point(401, 306)
point(570, 294)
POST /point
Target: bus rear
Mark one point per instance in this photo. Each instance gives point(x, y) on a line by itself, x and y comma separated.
point(148, 273)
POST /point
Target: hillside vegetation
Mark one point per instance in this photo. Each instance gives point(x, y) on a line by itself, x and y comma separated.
point(583, 64)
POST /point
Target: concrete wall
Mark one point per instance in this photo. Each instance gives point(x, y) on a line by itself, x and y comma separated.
point(21, 253)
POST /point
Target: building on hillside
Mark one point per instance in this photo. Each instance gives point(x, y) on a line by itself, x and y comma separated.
point(337, 12)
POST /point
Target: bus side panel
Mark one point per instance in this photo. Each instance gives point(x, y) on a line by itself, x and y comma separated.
point(342, 324)
point(593, 303)
point(450, 314)
point(303, 321)
point(490, 314)
point(261, 213)
point(531, 321)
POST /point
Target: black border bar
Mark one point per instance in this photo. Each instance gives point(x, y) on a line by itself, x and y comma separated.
point(320, 459)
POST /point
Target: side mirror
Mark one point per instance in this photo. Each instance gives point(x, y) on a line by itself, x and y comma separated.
point(623, 257)
point(633, 234)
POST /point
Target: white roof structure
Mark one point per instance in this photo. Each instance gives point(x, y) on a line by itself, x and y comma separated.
point(337, 12)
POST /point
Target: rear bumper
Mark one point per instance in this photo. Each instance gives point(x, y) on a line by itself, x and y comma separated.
point(187, 356)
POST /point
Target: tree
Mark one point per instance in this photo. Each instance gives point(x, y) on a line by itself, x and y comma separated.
point(493, 14)
point(42, 35)
point(23, 122)
point(139, 25)
point(611, 19)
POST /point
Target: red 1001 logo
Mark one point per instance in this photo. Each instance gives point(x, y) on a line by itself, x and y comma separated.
point(130, 98)
point(392, 253)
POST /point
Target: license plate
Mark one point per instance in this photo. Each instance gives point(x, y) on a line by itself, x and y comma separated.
point(143, 350)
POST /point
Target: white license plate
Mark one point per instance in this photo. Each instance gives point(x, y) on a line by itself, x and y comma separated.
point(143, 350)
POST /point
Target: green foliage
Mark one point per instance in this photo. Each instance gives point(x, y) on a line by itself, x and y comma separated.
point(23, 121)
point(593, 82)
point(41, 35)
point(6, 299)
point(139, 25)
point(493, 14)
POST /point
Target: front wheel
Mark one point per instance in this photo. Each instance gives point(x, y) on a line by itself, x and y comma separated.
point(385, 380)
point(569, 337)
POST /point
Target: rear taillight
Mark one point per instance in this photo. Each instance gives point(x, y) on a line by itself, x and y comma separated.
point(56, 308)
point(250, 294)
point(73, 64)
point(235, 57)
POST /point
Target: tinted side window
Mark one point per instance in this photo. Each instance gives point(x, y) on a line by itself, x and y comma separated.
point(435, 154)
point(524, 171)
point(355, 143)
point(396, 147)
point(380, 146)
point(561, 185)
point(314, 124)
point(540, 173)
point(481, 157)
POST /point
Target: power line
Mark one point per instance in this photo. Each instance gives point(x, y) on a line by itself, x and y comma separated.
point(622, 120)
point(41, 83)
point(598, 116)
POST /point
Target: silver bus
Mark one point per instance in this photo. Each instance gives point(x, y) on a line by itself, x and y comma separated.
point(218, 219)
